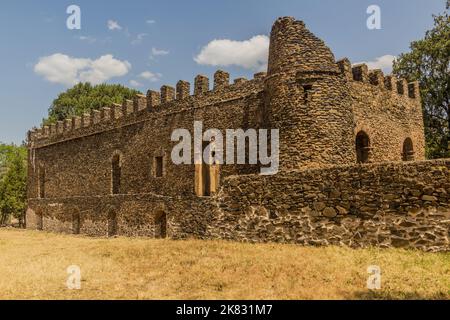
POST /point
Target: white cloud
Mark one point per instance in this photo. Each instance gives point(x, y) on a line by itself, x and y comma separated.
point(62, 69)
point(87, 39)
point(150, 21)
point(135, 83)
point(153, 77)
point(139, 38)
point(148, 76)
point(114, 25)
point(384, 63)
point(159, 52)
point(249, 54)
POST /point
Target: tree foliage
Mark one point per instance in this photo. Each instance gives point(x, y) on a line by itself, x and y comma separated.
point(84, 97)
point(13, 176)
point(428, 63)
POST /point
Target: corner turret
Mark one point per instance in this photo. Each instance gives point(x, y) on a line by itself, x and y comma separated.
point(307, 99)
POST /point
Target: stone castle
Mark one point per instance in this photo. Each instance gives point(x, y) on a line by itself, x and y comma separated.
point(352, 160)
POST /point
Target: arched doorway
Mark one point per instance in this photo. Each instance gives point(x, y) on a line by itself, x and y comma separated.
point(408, 150)
point(112, 223)
point(39, 220)
point(362, 147)
point(76, 223)
point(161, 225)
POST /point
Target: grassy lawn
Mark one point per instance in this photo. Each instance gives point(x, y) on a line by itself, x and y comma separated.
point(33, 266)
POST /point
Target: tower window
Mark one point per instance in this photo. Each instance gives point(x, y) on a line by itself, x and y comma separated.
point(307, 92)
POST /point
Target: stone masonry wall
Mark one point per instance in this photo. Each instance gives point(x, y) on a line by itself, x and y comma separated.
point(77, 161)
point(388, 118)
point(388, 204)
point(122, 215)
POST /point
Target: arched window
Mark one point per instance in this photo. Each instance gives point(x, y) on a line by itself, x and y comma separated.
point(408, 150)
point(116, 172)
point(362, 147)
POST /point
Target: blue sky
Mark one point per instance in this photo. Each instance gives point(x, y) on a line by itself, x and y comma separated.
point(150, 43)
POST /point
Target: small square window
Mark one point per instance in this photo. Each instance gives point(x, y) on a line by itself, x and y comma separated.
point(159, 167)
point(307, 92)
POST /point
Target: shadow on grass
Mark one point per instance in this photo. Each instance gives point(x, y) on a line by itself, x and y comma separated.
point(398, 295)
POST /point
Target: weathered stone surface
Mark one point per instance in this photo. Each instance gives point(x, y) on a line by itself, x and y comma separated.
point(429, 198)
point(319, 206)
point(341, 210)
point(329, 212)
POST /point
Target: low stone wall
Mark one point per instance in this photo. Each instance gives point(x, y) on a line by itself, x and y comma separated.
point(386, 205)
point(143, 215)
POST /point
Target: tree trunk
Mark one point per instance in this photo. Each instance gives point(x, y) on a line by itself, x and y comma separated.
point(448, 130)
point(3, 217)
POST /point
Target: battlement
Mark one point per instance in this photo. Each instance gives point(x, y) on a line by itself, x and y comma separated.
point(168, 99)
point(361, 73)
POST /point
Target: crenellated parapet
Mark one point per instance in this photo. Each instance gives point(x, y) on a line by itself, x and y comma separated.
point(151, 104)
point(153, 99)
point(361, 73)
point(376, 78)
point(183, 90)
point(346, 68)
point(167, 94)
point(201, 85)
point(221, 80)
point(139, 103)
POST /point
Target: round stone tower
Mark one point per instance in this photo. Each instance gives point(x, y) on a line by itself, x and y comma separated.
point(307, 99)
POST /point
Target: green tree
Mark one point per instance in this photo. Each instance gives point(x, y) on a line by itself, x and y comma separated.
point(5, 158)
point(12, 183)
point(84, 97)
point(428, 63)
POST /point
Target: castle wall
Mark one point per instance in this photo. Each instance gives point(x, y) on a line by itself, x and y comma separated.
point(388, 118)
point(78, 161)
point(386, 205)
point(386, 109)
point(123, 215)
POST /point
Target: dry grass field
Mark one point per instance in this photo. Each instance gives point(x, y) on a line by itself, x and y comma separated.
point(33, 266)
